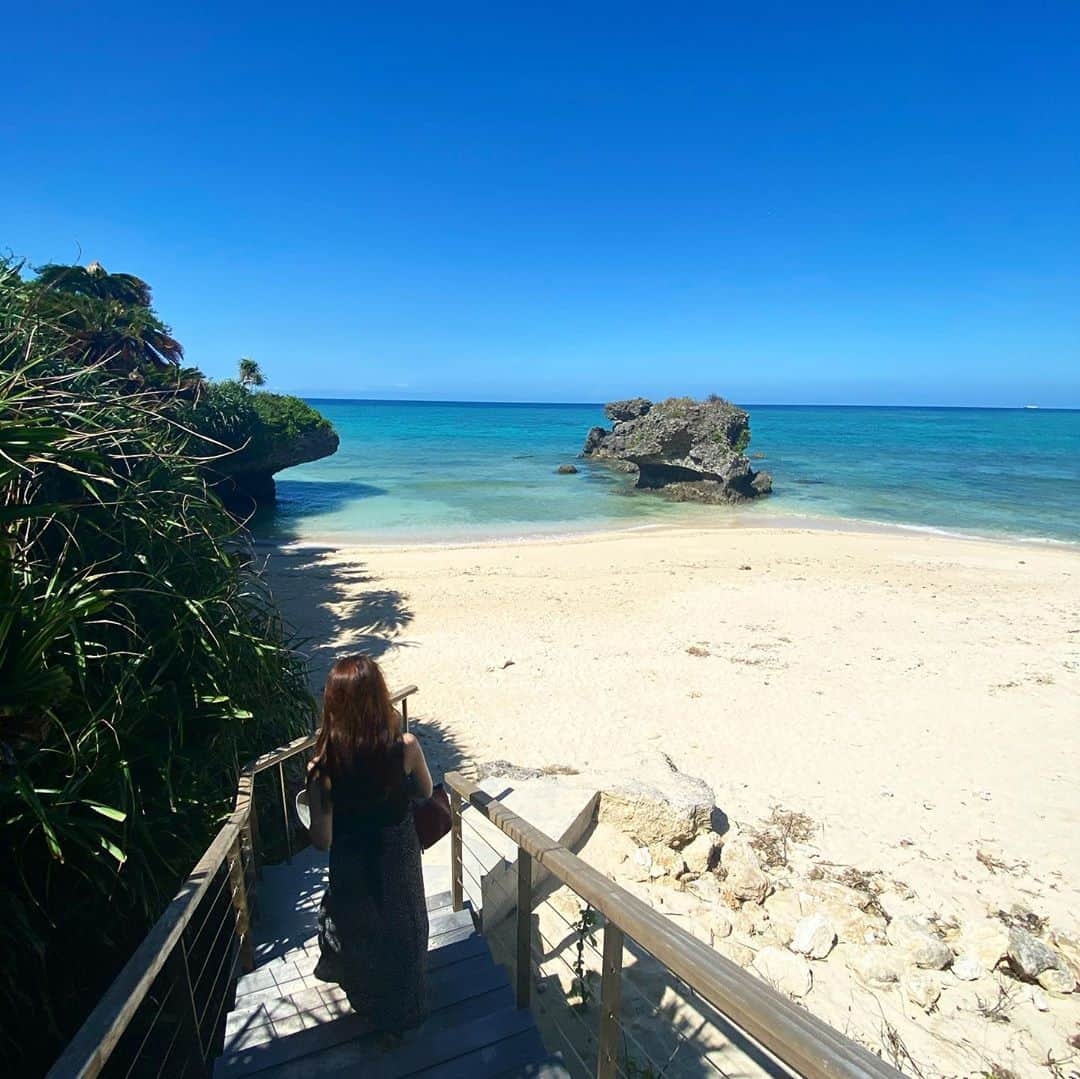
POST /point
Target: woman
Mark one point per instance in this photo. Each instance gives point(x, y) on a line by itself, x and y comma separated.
point(373, 924)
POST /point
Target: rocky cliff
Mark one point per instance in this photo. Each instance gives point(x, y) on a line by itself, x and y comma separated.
point(267, 431)
point(695, 451)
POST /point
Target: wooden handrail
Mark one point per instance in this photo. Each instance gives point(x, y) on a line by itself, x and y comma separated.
point(86, 1054)
point(298, 745)
point(792, 1035)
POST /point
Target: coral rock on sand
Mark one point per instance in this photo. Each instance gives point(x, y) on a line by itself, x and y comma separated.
point(839, 893)
point(876, 965)
point(702, 853)
point(788, 973)
point(968, 968)
point(922, 988)
point(987, 941)
point(695, 450)
point(743, 876)
point(1030, 957)
point(734, 950)
point(852, 925)
point(814, 937)
point(649, 799)
point(1069, 950)
point(1057, 981)
point(919, 943)
point(786, 908)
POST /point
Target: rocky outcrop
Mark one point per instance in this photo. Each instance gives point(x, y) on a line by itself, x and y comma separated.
point(694, 451)
point(271, 433)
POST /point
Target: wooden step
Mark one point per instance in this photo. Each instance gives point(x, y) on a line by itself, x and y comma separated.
point(548, 1068)
point(460, 1049)
point(330, 993)
point(314, 1020)
point(297, 963)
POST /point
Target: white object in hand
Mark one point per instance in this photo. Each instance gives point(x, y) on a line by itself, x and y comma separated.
point(303, 810)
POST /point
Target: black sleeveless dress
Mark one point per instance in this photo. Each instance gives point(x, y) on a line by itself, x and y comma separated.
point(373, 923)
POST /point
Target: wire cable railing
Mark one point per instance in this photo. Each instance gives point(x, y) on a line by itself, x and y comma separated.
point(767, 1024)
point(578, 1037)
point(165, 1013)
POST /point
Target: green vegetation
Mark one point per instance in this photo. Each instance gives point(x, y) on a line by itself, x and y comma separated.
point(251, 373)
point(257, 425)
point(742, 443)
point(107, 320)
point(141, 656)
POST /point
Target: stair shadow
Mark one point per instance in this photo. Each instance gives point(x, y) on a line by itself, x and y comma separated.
point(665, 1028)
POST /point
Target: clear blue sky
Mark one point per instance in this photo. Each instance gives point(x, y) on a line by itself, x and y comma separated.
point(780, 202)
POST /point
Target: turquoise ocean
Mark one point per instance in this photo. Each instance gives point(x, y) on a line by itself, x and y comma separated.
point(441, 473)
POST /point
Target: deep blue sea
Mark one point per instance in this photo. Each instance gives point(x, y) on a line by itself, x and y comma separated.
point(430, 472)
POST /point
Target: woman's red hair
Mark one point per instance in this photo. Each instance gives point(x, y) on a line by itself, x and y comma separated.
point(359, 724)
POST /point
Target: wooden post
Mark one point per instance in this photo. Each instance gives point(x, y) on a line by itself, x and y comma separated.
point(524, 927)
point(240, 905)
point(285, 811)
point(456, 888)
point(610, 1002)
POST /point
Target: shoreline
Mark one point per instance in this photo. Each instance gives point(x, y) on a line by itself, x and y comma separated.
point(772, 523)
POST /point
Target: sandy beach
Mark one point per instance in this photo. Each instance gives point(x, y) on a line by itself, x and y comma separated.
point(916, 696)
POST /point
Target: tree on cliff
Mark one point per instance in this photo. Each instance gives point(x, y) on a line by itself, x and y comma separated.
point(108, 319)
point(251, 373)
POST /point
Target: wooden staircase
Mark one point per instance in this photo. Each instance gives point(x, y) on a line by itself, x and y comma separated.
point(286, 1024)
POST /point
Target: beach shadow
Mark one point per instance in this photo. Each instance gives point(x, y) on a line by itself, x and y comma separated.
point(334, 609)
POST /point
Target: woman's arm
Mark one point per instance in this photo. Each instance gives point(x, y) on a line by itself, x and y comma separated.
point(321, 829)
point(416, 766)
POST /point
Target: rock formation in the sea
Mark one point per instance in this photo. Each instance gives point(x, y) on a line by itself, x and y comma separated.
point(695, 451)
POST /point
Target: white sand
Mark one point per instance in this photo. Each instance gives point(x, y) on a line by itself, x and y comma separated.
point(918, 696)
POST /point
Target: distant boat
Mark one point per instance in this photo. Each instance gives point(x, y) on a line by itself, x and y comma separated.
point(1031, 406)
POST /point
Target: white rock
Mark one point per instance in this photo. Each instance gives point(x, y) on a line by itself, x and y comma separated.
point(647, 797)
point(743, 876)
point(968, 968)
point(1057, 981)
point(666, 863)
point(922, 989)
point(702, 853)
point(735, 950)
point(987, 940)
point(852, 925)
point(707, 888)
point(839, 893)
point(787, 973)
point(876, 964)
point(1069, 950)
point(785, 910)
point(919, 943)
point(641, 864)
point(1038, 998)
point(719, 924)
point(814, 936)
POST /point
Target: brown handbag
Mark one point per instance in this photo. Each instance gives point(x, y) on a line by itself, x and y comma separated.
point(432, 817)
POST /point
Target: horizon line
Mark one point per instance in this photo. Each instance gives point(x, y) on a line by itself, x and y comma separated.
point(748, 405)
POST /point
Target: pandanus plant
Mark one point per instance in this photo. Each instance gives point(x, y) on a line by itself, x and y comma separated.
point(141, 659)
